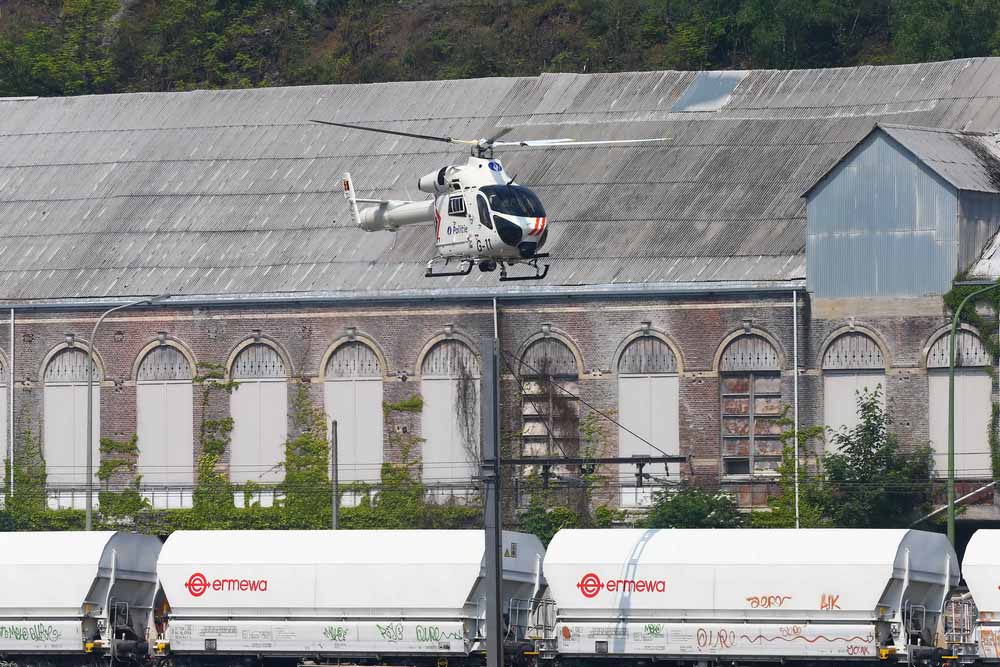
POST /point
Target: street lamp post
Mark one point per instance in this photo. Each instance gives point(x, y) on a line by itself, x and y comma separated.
point(90, 399)
point(951, 409)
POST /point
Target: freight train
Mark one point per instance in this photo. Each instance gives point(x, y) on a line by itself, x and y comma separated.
point(594, 598)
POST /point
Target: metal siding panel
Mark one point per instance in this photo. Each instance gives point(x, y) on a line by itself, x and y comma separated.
point(880, 225)
point(356, 405)
point(64, 434)
point(840, 399)
point(164, 425)
point(259, 409)
point(973, 388)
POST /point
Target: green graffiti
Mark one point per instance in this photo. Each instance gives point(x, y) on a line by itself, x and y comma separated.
point(432, 633)
point(35, 633)
point(653, 629)
point(392, 632)
point(335, 633)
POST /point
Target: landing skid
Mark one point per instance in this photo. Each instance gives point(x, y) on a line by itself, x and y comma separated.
point(464, 268)
point(533, 263)
point(487, 265)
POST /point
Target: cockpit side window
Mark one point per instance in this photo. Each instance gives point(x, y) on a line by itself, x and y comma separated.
point(514, 200)
point(456, 206)
point(484, 212)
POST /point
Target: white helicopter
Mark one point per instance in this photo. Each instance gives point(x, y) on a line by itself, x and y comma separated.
point(481, 216)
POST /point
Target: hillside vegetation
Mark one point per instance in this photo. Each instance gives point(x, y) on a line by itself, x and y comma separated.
point(73, 47)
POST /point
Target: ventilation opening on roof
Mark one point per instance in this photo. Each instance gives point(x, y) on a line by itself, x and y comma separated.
point(710, 91)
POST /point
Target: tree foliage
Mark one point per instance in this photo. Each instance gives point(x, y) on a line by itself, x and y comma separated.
point(692, 507)
point(872, 482)
point(70, 47)
point(867, 481)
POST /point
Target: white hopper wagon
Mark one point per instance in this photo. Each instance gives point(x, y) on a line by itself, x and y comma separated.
point(75, 598)
point(707, 596)
point(288, 596)
point(981, 569)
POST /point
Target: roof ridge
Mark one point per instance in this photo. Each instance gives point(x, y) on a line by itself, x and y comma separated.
point(940, 130)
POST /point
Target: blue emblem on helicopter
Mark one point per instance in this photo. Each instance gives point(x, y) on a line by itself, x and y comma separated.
point(495, 166)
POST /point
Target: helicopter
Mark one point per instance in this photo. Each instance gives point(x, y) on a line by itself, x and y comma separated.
point(481, 216)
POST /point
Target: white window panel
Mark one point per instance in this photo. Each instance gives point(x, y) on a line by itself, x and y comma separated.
point(446, 455)
point(648, 405)
point(64, 433)
point(259, 409)
point(840, 397)
point(973, 387)
point(356, 405)
point(165, 425)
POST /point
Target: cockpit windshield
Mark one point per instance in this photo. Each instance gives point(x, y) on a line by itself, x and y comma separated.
point(513, 200)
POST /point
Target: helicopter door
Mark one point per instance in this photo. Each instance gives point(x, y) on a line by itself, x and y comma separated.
point(483, 241)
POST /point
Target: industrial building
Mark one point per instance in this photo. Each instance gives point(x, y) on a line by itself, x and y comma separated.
point(789, 245)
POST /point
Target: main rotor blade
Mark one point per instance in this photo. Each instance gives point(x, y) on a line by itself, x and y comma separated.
point(492, 140)
point(564, 142)
point(447, 140)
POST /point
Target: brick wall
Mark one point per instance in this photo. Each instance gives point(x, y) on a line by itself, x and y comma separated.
point(595, 328)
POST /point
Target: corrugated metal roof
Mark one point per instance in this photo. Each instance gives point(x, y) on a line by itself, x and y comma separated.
point(964, 159)
point(235, 193)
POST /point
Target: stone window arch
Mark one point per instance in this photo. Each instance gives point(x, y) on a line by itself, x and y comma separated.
point(853, 363)
point(750, 380)
point(352, 391)
point(449, 384)
point(65, 417)
point(973, 404)
point(165, 420)
point(259, 408)
point(648, 407)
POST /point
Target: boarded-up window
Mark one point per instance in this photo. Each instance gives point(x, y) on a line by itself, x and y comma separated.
point(449, 383)
point(164, 418)
point(973, 389)
point(750, 375)
point(852, 364)
point(548, 374)
point(648, 403)
point(65, 419)
point(259, 408)
point(353, 397)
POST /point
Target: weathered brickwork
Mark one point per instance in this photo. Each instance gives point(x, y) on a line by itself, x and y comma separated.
point(595, 329)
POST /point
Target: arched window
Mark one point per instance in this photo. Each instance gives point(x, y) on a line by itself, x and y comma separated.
point(973, 388)
point(852, 364)
point(750, 374)
point(353, 397)
point(164, 418)
point(259, 408)
point(548, 373)
point(449, 384)
point(65, 418)
point(648, 404)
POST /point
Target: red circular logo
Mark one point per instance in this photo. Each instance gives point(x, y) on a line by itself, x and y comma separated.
point(196, 584)
point(590, 585)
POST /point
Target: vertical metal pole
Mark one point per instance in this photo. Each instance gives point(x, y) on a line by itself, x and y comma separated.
point(89, 524)
point(951, 410)
point(795, 385)
point(492, 511)
point(334, 474)
point(90, 398)
point(10, 403)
